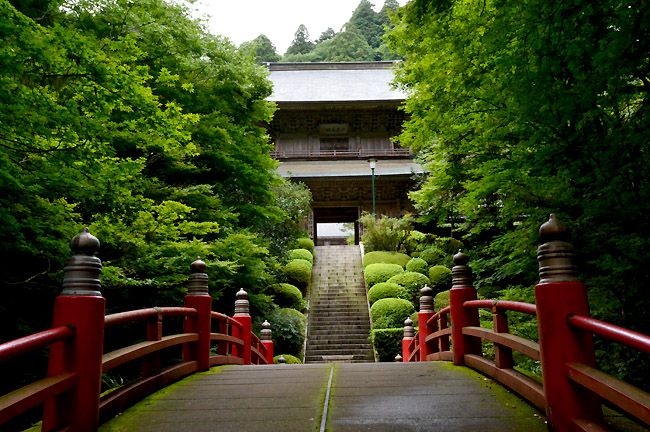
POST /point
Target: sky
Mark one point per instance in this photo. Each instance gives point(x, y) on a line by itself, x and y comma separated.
point(244, 20)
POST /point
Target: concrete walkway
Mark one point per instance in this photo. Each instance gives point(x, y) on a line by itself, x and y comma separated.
point(363, 397)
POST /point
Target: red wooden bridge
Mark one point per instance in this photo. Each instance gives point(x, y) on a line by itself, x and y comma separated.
point(421, 396)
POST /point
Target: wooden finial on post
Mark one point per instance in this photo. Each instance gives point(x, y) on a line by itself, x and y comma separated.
point(559, 294)
point(243, 333)
point(267, 341)
point(198, 298)
point(462, 291)
point(82, 306)
point(424, 329)
point(409, 331)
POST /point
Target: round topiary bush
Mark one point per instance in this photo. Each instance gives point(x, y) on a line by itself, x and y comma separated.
point(306, 243)
point(376, 273)
point(286, 295)
point(385, 290)
point(412, 282)
point(441, 300)
point(417, 265)
point(390, 312)
point(301, 254)
point(288, 357)
point(385, 257)
point(440, 277)
point(433, 256)
point(288, 327)
point(298, 272)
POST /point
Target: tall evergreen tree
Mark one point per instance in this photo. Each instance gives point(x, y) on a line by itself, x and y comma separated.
point(301, 43)
point(365, 19)
point(265, 51)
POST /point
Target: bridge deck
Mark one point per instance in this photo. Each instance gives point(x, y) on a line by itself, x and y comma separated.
point(373, 397)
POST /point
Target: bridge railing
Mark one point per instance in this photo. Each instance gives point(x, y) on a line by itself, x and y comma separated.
point(70, 393)
point(571, 385)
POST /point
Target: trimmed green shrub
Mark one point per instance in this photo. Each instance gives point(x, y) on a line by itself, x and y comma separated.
point(441, 300)
point(385, 258)
point(288, 357)
point(390, 312)
point(385, 290)
point(286, 295)
point(288, 327)
point(387, 343)
point(301, 254)
point(376, 273)
point(440, 277)
point(418, 265)
point(306, 243)
point(433, 256)
point(412, 282)
point(298, 272)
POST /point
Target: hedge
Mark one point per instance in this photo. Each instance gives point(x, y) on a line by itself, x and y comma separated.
point(441, 300)
point(301, 254)
point(298, 272)
point(384, 257)
point(434, 255)
point(412, 282)
point(288, 327)
point(376, 273)
point(286, 295)
point(418, 265)
point(306, 243)
point(385, 290)
point(440, 277)
point(390, 312)
point(288, 357)
point(387, 343)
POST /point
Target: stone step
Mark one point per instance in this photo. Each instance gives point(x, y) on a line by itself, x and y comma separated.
point(331, 351)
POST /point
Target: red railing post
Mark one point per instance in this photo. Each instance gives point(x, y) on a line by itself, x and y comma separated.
point(502, 355)
point(198, 298)
point(267, 341)
point(462, 291)
point(81, 305)
point(242, 317)
point(409, 331)
point(424, 329)
point(558, 294)
point(151, 363)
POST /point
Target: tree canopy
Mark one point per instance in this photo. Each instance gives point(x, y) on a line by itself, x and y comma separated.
point(523, 109)
point(132, 119)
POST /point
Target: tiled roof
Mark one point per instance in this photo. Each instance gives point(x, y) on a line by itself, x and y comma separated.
point(333, 82)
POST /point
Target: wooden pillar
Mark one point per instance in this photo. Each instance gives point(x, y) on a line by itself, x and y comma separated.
point(82, 306)
point(462, 291)
point(558, 294)
point(407, 339)
point(267, 341)
point(424, 329)
point(243, 333)
point(198, 298)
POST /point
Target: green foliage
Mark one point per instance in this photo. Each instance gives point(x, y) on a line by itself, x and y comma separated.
point(306, 243)
point(348, 45)
point(298, 272)
point(385, 290)
point(288, 357)
point(288, 326)
point(301, 254)
point(417, 265)
point(441, 300)
point(301, 43)
point(440, 277)
point(387, 343)
point(384, 233)
point(384, 257)
point(390, 312)
point(265, 51)
point(433, 255)
point(412, 282)
point(376, 273)
point(286, 295)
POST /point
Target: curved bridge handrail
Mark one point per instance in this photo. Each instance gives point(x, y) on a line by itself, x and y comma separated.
point(36, 341)
point(614, 333)
point(123, 318)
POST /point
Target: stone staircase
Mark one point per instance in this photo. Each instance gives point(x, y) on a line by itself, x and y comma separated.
point(339, 324)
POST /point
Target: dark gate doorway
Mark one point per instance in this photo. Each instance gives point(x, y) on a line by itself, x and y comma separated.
point(336, 215)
